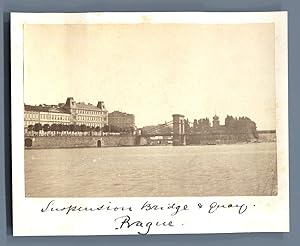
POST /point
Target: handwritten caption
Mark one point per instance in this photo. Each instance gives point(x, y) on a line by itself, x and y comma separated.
point(143, 227)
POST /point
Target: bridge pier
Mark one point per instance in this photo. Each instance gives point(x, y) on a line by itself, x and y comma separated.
point(179, 137)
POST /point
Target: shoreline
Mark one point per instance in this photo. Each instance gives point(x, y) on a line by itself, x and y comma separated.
point(130, 146)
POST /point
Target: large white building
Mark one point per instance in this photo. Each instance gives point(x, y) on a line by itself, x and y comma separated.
point(67, 113)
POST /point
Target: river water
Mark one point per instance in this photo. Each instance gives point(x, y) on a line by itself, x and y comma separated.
point(214, 170)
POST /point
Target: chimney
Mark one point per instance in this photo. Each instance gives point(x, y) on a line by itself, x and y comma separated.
point(100, 105)
point(70, 102)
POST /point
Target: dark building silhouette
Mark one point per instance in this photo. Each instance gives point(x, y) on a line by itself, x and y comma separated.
point(234, 130)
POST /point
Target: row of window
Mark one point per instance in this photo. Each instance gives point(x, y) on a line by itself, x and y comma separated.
point(46, 116)
point(50, 116)
point(125, 120)
point(33, 121)
point(31, 116)
point(89, 112)
point(92, 118)
point(89, 124)
point(55, 117)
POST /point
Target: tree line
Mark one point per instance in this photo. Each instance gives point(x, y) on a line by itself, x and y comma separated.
point(58, 129)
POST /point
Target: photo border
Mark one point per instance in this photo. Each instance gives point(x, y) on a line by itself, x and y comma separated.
point(271, 213)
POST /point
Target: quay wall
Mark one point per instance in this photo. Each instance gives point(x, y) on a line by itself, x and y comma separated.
point(82, 141)
point(206, 138)
point(130, 140)
point(214, 138)
point(267, 136)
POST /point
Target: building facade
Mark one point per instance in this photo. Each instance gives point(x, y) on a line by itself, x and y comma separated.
point(121, 120)
point(67, 113)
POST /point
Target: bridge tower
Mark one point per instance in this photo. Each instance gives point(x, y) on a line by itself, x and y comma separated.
point(179, 137)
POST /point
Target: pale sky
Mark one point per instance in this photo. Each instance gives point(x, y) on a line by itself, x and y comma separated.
point(155, 70)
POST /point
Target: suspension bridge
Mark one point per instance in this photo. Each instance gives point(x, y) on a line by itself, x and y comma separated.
point(174, 128)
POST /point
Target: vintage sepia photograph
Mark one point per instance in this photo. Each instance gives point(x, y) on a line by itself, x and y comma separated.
point(152, 110)
point(149, 123)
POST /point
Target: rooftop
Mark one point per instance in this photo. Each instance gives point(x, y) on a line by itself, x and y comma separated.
point(45, 108)
point(118, 113)
point(89, 106)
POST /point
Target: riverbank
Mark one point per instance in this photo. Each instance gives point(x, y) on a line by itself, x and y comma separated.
point(53, 142)
point(57, 142)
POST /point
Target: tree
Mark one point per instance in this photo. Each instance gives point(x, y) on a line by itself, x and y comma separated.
point(83, 128)
point(115, 129)
point(54, 128)
point(105, 128)
point(77, 128)
point(30, 128)
point(128, 130)
point(46, 128)
point(98, 129)
point(60, 128)
point(65, 128)
point(91, 129)
point(71, 128)
point(37, 128)
point(131, 129)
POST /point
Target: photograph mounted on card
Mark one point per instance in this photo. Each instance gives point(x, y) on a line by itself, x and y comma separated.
point(149, 123)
